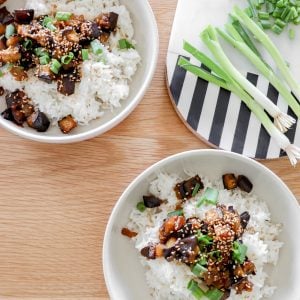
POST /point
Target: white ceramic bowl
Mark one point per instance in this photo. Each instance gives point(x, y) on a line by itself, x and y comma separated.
point(123, 272)
point(146, 35)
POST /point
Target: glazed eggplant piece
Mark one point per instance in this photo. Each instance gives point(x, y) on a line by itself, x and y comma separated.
point(67, 124)
point(5, 16)
point(3, 42)
point(66, 85)
point(10, 55)
point(45, 74)
point(184, 190)
point(245, 217)
point(185, 250)
point(24, 16)
point(39, 121)
point(244, 184)
point(149, 251)
point(152, 201)
point(229, 181)
point(8, 115)
point(108, 22)
point(89, 30)
point(170, 226)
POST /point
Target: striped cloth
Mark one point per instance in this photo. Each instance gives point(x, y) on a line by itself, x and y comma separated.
point(222, 119)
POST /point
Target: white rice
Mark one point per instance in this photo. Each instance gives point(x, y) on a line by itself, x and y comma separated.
point(103, 85)
point(169, 280)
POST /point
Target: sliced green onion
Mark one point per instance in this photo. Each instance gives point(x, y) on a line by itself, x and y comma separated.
point(196, 291)
point(1, 74)
point(178, 212)
point(239, 252)
point(10, 31)
point(214, 294)
point(209, 37)
point(96, 47)
point(266, 24)
point(44, 60)
point(210, 196)
point(40, 52)
point(271, 48)
point(204, 239)
point(265, 70)
point(66, 59)
point(280, 23)
point(198, 269)
point(196, 189)
point(48, 23)
point(292, 34)
point(85, 54)
point(55, 66)
point(202, 261)
point(125, 44)
point(63, 16)
point(141, 206)
point(27, 44)
point(263, 15)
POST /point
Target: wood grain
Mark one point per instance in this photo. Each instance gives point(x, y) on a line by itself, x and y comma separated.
point(55, 200)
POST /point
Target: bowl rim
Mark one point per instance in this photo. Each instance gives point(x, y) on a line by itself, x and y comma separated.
point(117, 119)
point(163, 162)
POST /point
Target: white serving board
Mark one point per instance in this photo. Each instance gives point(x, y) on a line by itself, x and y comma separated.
point(214, 114)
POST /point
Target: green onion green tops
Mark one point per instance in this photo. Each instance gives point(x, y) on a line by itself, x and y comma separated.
point(48, 23)
point(196, 291)
point(125, 44)
point(55, 66)
point(178, 212)
point(196, 189)
point(85, 54)
point(10, 31)
point(239, 252)
point(63, 16)
point(27, 44)
point(44, 60)
point(40, 52)
point(198, 269)
point(96, 47)
point(210, 196)
point(141, 207)
point(66, 59)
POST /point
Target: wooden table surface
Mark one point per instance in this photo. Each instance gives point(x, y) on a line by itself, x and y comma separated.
point(55, 200)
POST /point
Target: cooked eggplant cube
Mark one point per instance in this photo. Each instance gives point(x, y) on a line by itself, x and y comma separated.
point(66, 85)
point(229, 181)
point(39, 121)
point(185, 189)
point(152, 201)
point(67, 124)
point(5, 16)
point(7, 115)
point(244, 183)
point(24, 16)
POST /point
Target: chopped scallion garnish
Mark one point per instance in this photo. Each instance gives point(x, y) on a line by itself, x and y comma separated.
point(55, 66)
point(196, 291)
point(27, 44)
point(63, 16)
point(10, 31)
point(44, 60)
point(214, 294)
point(66, 59)
point(204, 239)
point(239, 252)
point(196, 189)
point(48, 23)
point(141, 206)
point(1, 73)
point(96, 47)
point(178, 212)
point(40, 52)
point(198, 269)
point(125, 44)
point(292, 34)
point(85, 54)
point(210, 196)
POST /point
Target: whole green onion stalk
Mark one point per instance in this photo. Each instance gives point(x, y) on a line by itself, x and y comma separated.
point(262, 67)
point(260, 35)
point(282, 120)
point(227, 83)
